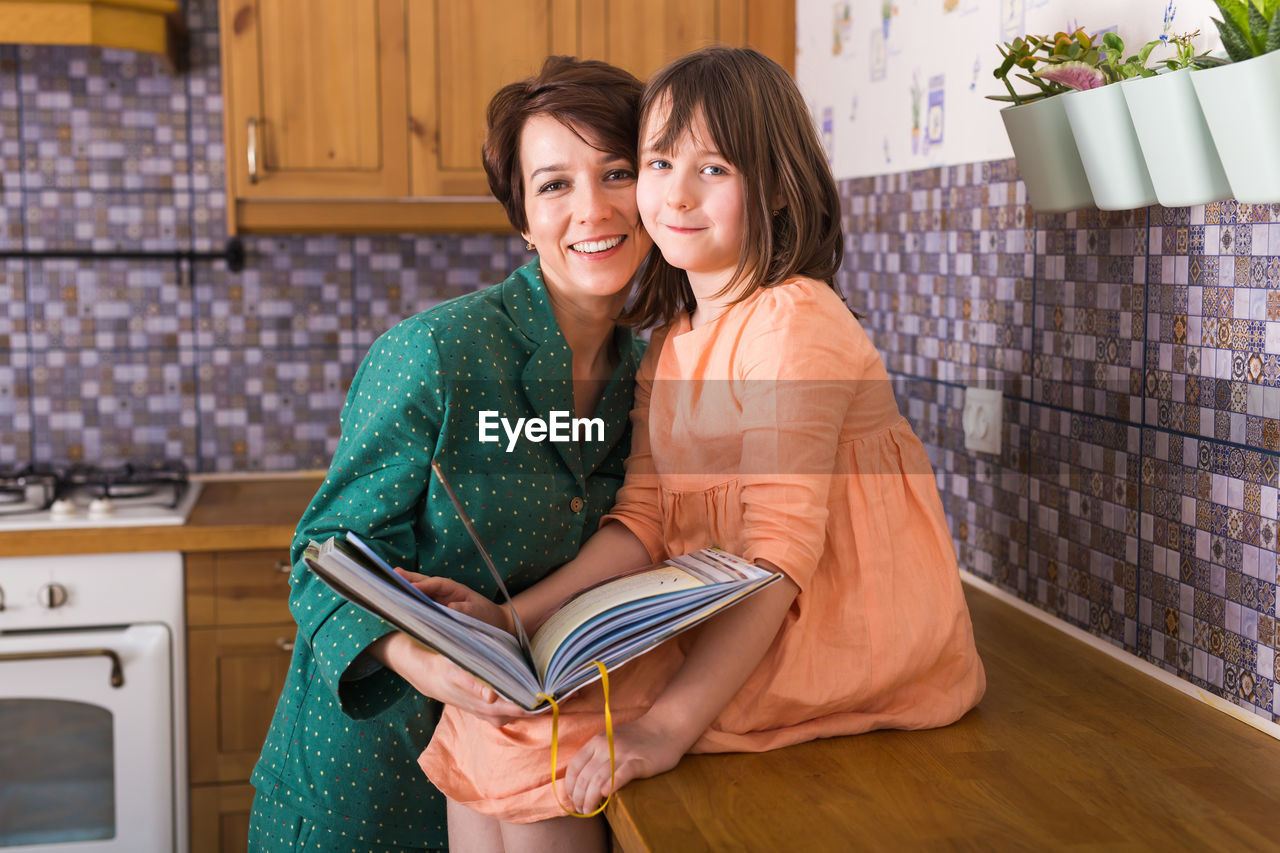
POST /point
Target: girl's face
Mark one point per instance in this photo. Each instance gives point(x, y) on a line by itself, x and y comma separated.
point(693, 204)
point(580, 204)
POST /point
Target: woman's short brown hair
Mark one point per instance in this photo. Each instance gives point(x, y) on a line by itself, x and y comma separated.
point(597, 101)
point(758, 120)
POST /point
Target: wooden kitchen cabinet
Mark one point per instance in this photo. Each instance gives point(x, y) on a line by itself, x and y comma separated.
point(240, 639)
point(220, 818)
point(368, 115)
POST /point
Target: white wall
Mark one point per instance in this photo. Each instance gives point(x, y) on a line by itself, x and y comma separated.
point(861, 74)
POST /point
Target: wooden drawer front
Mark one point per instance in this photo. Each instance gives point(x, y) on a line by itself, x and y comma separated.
point(220, 818)
point(235, 676)
point(238, 588)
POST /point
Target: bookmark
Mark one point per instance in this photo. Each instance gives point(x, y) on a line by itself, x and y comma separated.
point(555, 742)
point(484, 555)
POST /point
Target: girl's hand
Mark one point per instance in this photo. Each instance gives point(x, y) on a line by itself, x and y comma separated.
point(436, 677)
point(462, 598)
point(642, 748)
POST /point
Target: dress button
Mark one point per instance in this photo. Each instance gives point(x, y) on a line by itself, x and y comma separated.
point(576, 504)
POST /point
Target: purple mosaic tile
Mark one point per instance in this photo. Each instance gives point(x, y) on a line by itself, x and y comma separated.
point(397, 277)
point(1084, 521)
point(984, 496)
point(988, 506)
point(293, 293)
point(1089, 321)
point(991, 241)
point(15, 376)
point(10, 121)
point(12, 227)
point(13, 306)
point(108, 221)
point(1210, 565)
point(201, 14)
point(895, 271)
point(208, 152)
point(113, 406)
point(102, 120)
point(15, 407)
point(1214, 342)
point(271, 409)
point(109, 305)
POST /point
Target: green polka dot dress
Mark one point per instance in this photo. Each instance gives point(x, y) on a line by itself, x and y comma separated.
point(343, 745)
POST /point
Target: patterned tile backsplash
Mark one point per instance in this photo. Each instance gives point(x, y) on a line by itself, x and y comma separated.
point(1136, 493)
point(1139, 352)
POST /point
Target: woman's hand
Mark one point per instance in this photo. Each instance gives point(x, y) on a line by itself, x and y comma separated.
point(462, 598)
point(436, 677)
point(642, 748)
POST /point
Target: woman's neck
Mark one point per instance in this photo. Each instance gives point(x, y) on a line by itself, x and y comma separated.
point(588, 327)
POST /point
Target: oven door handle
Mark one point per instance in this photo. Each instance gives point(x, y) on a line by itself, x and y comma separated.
point(117, 670)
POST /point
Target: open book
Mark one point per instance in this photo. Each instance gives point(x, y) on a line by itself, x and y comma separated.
point(612, 622)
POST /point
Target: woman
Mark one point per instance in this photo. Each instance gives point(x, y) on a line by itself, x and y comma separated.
point(338, 770)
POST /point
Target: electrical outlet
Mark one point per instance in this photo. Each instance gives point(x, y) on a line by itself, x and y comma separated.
point(982, 421)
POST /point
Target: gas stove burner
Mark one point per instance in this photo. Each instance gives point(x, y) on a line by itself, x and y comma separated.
point(150, 482)
point(27, 488)
point(138, 493)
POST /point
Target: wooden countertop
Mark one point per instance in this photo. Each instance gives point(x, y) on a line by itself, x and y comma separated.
point(1069, 749)
point(231, 515)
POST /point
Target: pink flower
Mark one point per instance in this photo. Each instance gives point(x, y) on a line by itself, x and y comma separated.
point(1075, 75)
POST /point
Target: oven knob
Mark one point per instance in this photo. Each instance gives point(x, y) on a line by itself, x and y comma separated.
point(101, 508)
point(62, 508)
point(53, 595)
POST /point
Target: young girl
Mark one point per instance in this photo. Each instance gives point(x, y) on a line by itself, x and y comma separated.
point(764, 424)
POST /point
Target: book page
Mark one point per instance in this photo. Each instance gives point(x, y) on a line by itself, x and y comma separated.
point(630, 644)
point(492, 655)
point(591, 603)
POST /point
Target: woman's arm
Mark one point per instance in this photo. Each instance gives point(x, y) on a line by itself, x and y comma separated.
point(437, 677)
point(727, 649)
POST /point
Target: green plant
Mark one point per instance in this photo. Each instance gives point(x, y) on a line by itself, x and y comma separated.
point(1248, 27)
point(1117, 68)
point(1185, 55)
point(1031, 51)
point(1109, 65)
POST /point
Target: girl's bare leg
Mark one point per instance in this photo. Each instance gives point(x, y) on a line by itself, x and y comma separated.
point(472, 832)
point(570, 834)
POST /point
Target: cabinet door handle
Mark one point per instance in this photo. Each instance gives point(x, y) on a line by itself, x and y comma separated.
point(251, 149)
point(284, 567)
point(284, 645)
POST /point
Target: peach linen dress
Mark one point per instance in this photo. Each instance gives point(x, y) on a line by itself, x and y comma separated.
point(772, 432)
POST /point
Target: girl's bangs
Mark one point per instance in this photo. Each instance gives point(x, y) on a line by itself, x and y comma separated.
point(685, 99)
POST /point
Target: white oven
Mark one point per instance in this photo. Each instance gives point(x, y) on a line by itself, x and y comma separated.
point(92, 704)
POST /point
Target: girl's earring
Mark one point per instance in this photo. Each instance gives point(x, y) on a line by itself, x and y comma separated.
point(529, 247)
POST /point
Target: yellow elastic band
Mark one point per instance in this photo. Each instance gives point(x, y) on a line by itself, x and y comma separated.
point(608, 733)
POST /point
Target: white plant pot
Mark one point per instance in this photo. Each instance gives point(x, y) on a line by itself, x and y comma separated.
point(1109, 148)
point(1241, 104)
point(1046, 153)
point(1175, 140)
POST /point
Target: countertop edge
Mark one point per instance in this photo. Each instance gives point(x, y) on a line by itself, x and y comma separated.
point(231, 515)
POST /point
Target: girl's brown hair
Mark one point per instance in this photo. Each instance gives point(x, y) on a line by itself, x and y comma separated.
point(758, 120)
point(597, 101)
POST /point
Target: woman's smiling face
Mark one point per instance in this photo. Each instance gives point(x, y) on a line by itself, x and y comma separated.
point(580, 204)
